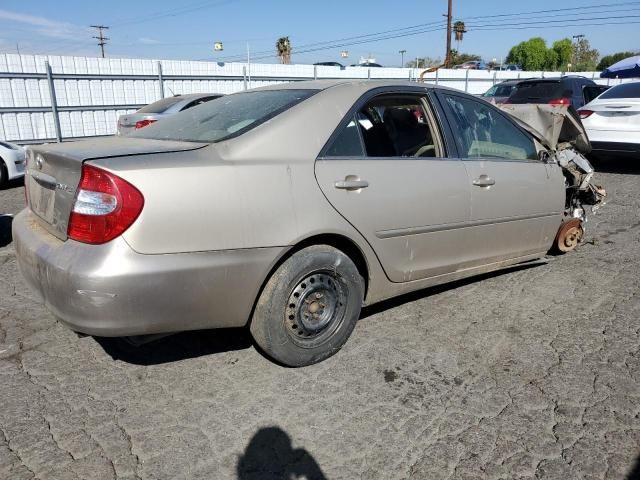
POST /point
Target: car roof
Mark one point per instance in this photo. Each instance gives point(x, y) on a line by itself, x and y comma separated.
point(355, 84)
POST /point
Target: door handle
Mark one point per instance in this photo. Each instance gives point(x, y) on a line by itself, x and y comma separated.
point(484, 181)
point(348, 184)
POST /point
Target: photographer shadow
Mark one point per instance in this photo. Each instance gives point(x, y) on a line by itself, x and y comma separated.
point(270, 456)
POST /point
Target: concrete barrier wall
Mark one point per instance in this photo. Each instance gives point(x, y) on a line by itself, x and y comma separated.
point(90, 93)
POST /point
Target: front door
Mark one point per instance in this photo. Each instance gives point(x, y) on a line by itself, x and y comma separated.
point(517, 200)
point(386, 171)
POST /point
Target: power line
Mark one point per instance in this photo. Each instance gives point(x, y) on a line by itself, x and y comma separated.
point(173, 12)
point(102, 40)
point(419, 29)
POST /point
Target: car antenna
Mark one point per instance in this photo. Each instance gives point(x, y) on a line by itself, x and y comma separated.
point(169, 88)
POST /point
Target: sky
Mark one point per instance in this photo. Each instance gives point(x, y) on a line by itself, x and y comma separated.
point(164, 29)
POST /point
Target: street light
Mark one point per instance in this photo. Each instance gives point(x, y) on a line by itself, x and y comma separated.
point(402, 52)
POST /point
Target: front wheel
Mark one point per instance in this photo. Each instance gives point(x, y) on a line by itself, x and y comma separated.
point(309, 306)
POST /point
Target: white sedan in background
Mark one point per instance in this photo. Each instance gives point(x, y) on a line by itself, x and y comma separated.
point(11, 162)
point(612, 121)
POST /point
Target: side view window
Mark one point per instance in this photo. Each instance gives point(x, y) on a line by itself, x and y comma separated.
point(481, 132)
point(347, 143)
point(388, 126)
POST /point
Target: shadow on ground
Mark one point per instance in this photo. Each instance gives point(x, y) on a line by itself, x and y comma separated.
point(270, 456)
point(15, 183)
point(185, 345)
point(634, 474)
point(180, 346)
point(625, 166)
point(5, 230)
point(413, 296)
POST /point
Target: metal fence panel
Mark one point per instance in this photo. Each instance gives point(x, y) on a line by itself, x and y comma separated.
point(91, 93)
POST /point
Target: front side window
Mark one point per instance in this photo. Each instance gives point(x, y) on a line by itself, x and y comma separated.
point(224, 118)
point(482, 132)
point(388, 126)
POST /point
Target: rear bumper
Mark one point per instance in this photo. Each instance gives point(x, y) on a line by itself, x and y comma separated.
point(110, 290)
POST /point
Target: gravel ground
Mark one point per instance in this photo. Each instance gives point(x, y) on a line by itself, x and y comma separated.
point(529, 373)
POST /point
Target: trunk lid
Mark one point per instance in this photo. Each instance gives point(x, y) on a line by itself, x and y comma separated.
point(53, 172)
point(622, 114)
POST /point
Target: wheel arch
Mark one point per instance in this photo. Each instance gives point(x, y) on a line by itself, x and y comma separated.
point(335, 240)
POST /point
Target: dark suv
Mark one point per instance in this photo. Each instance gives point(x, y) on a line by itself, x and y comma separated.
point(570, 90)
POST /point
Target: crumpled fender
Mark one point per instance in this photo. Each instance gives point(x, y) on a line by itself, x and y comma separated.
point(552, 125)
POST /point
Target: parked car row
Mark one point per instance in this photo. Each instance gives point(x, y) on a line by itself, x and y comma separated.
point(611, 116)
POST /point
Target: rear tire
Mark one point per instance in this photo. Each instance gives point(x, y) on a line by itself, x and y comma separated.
point(309, 306)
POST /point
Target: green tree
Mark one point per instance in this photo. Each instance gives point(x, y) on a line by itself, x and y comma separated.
point(585, 57)
point(424, 62)
point(608, 60)
point(564, 50)
point(457, 58)
point(531, 54)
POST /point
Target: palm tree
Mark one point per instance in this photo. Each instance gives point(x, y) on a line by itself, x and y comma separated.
point(459, 29)
point(283, 48)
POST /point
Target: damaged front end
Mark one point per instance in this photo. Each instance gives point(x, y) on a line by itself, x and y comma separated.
point(560, 131)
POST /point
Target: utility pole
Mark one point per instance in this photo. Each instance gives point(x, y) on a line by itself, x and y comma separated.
point(402, 52)
point(102, 40)
point(575, 49)
point(447, 57)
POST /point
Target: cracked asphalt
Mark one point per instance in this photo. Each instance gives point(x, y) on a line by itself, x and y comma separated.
point(529, 373)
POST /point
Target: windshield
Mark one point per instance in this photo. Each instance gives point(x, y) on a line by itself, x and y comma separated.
point(224, 117)
point(626, 90)
point(160, 106)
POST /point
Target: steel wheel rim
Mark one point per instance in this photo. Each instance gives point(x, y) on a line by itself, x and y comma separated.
point(316, 308)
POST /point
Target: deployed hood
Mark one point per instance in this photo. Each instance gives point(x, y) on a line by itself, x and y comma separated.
point(553, 125)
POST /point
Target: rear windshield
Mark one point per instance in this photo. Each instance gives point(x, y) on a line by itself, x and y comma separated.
point(499, 91)
point(227, 117)
point(160, 106)
point(539, 92)
point(626, 90)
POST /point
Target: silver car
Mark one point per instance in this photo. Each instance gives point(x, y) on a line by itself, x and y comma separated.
point(288, 208)
point(162, 108)
point(12, 159)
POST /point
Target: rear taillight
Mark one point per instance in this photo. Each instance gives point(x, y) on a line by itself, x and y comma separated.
point(560, 101)
point(585, 113)
point(105, 206)
point(144, 123)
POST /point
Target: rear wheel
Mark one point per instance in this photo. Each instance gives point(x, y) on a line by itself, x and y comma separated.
point(309, 306)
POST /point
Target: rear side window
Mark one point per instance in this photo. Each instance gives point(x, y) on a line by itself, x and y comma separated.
point(224, 118)
point(539, 92)
point(160, 106)
point(626, 90)
point(347, 143)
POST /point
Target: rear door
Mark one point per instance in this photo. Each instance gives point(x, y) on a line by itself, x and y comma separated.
point(516, 200)
point(386, 171)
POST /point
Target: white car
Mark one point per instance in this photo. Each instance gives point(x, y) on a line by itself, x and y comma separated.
point(11, 162)
point(612, 121)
